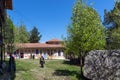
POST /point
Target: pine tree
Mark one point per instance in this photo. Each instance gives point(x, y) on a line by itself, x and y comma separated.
point(35, 36)
point(112, 23)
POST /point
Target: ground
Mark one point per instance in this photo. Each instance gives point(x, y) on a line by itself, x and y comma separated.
point(53, 70)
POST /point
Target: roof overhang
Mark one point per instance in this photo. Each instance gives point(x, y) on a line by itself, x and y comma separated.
point(8, 4)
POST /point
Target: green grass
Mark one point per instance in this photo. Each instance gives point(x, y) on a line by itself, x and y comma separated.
point(53, 70)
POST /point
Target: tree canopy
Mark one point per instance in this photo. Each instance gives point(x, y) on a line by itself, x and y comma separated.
point(35, 36)
point(19, 34)
point(9, 35)
point(85, 32)
point(111, 18)
point(23, 34)
point(112, 23)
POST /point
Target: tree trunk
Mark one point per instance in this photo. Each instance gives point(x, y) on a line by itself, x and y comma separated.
point(81, 64)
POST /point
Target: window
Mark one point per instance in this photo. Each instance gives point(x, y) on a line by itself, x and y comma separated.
point(37, 51)
point(59, 54)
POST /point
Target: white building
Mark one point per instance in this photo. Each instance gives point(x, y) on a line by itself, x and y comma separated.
point(52, 49)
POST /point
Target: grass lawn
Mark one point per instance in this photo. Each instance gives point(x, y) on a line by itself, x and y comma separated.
point(53, 70)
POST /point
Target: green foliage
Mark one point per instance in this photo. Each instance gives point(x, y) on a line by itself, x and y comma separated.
point(23, 34)
point(113, 41)
point(112, 18)
point(16, 35)
point(86, 32)
point(9, 35)
point(19, 34)
point(35, 36)
point(112, 22)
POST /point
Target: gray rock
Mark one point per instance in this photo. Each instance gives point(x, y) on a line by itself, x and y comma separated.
point(102, 65)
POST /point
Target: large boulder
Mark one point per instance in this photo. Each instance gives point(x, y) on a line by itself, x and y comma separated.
point(102, 65)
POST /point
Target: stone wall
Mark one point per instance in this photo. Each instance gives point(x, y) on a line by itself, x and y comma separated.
point(102, 65)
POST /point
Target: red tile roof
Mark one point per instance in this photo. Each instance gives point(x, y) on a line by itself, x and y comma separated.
point(54, 40)
point(39, 45)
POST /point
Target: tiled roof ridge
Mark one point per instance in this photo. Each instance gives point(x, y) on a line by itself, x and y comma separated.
point(54, 40)
point(39, 45)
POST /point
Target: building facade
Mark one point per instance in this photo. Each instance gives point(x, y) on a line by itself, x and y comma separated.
point(52, 49)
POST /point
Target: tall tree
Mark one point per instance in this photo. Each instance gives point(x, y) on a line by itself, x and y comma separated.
point(9, 35)
point(85, 32)
point(35, 36)
point(111, 18)
point(112, 22)
point(23, 34)
point(16, 35)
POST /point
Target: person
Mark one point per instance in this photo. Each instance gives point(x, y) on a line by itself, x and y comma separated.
point(42, 61)
point(33, 56)
point(11, 66)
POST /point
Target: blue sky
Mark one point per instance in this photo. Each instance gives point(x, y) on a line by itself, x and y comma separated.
point(51, 17)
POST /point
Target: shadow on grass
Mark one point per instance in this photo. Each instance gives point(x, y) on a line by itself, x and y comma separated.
point(72, 62)
point(64, 73)
point(69, 73)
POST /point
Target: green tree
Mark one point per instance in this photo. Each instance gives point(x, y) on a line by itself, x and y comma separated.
point(112, 22)
point(35, 36)
point(16, 35)
point(23, 34)
point(9, 35)
point(111, 18)
point(85, 32)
